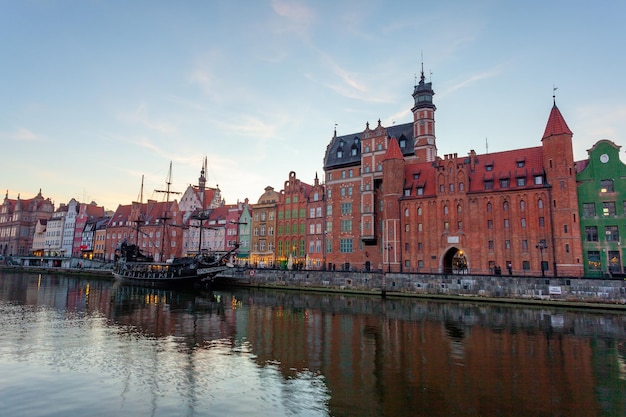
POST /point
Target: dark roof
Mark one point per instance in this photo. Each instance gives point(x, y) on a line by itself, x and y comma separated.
point(345, 143)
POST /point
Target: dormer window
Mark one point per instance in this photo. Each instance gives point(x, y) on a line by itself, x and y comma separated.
point(520, 164)
point(489, 167)
point(402, 143)
point(416, 176)
point(339, 153)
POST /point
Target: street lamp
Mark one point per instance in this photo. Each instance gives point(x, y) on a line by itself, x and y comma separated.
point(541, 246)
point(388, 248)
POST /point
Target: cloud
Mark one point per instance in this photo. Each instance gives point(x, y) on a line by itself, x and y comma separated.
point(296, 13)
point(140, 116)
point(491, 73)
point(22, 135)
point(348, 84)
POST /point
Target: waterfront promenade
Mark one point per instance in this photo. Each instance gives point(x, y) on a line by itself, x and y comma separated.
point(577, 292)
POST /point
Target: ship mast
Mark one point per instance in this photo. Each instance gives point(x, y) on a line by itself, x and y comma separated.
point(165, 217)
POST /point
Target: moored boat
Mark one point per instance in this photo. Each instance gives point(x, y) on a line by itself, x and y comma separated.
point(133, 266)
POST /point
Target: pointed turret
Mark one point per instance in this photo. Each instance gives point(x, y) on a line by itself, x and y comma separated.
point(556, 124)
point(424, 121)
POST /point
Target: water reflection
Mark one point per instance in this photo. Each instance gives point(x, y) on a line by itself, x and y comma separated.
point(256, 352)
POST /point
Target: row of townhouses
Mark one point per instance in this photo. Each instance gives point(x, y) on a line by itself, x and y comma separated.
point(387, 201)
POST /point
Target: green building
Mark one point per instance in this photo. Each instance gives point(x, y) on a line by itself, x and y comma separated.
point(602, 206)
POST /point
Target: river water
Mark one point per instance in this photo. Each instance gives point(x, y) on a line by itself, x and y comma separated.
point(73, 346)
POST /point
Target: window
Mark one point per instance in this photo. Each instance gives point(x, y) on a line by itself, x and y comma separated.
point(489, 224)
point(419, 211)
point(538, 179)
point(340, 153)
point(520, 164)
point(612, 233)
point(346, 208)
point(526, 265)
point(524, 244)
point(507, 244)
point(606, 186)
point(345, 245)
point(589, 209)
point(451, 187)
point(489, 185)
point(420, 190)
point(459, 209)
point(593, 260)
point(505, 206)
point(608, 208)
point(489, 207)
point(522, 205)
point(445, 210)
point(491, 245)
point(489, 167)
point(346, 225)
point(521, 181)
point(504, 183)
point(523, 223)
point(591, 233)
point(407, 192)
point(542, 222)
point(540, 203)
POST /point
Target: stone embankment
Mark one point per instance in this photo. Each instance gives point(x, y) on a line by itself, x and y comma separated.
point(610, 293)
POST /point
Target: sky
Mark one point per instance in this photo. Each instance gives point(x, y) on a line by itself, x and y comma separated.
point(96, 94)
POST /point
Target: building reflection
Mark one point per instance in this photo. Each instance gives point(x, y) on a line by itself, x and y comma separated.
point(393, 357)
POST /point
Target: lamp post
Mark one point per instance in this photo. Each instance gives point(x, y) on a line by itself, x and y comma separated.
point(388, 248)
point(541, 246)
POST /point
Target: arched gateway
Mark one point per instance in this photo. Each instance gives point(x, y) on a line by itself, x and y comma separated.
point(454, 261)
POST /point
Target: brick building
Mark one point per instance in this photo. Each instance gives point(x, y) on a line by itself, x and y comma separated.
point(394, 204)
point(18, 219)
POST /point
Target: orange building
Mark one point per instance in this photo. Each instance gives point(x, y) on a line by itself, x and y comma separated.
point(393, 204)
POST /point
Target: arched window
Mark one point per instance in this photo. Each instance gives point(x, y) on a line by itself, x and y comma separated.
point(406, 212)
point(505, 206)
point(522, 206)
point(419, 211)
point(459, 209)
point(488, 207)
point(445, 209)
point(540, 203)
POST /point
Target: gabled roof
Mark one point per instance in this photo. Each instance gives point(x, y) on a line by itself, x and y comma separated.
point(556, 124)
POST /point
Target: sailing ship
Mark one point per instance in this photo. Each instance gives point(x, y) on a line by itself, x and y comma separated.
point(131, 265)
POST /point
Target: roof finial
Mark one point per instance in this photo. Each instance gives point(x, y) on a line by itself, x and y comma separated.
point(422, 75)
point(554, 94)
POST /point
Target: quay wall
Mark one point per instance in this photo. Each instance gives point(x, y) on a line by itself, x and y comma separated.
point(492, 287)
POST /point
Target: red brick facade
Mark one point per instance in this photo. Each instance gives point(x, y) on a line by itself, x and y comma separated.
point(394, 204)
